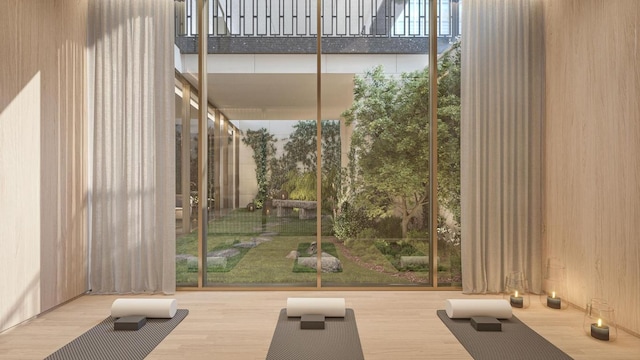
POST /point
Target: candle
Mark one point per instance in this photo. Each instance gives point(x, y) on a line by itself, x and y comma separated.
point(599, 331)
point(554, 302)
point(516, 301)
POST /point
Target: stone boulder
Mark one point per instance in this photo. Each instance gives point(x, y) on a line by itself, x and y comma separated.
point(313, 249)
point(414, 261)
point(226, 253)
point(216, 262)
point(185, 257)
point(192, 264)
point(246, 244)
point(212, 263)
point(330, 263)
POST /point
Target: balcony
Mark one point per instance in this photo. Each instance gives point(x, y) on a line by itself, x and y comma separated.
point(290, 27)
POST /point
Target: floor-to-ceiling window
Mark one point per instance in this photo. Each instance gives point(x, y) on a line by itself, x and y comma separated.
point(330, 196)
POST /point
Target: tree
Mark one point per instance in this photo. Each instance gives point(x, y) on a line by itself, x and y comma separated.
point(299, 161)
point(449, 135)
point(263, 145)
point(390, 143)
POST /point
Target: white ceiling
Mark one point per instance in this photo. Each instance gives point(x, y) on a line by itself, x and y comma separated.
point(277, 96)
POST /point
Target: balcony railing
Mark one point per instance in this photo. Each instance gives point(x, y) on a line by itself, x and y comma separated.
point(340, 18)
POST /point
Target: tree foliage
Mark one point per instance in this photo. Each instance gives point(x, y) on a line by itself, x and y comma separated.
point(449, 134)
point(299, 162)
point(295, 170)
point(390, 144)
point(263, 145)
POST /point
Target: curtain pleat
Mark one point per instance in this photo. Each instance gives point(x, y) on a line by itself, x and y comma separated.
point(132, 242)
point(501, 145)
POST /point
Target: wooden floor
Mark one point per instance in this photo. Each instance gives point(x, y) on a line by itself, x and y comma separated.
point(239, 325)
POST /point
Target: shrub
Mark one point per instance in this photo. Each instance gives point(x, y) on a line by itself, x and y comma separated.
point(368, 233)
point(349, 222)
point(389, 227)
point(417, 234)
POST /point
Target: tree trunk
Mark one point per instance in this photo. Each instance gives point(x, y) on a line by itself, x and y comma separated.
point(405, 224)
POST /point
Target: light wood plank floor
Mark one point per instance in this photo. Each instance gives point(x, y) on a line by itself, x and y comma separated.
point(239, 325)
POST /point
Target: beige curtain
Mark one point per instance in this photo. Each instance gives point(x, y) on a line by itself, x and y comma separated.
point(502, 118)
point(131, 110)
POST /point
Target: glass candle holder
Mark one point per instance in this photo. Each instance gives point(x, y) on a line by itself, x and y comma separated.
point(517, 290)
point(554, 285)
point(599, 321)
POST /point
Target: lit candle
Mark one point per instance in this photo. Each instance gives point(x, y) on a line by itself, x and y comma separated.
point(554, 302)
point(599, 331)
point(515, 300)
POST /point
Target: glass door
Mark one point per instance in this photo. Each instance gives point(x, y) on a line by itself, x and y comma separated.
point(318, 164)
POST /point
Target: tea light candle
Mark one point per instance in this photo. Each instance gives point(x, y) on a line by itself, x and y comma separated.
point(516, 301)
point(554, 302)
point(599, 331)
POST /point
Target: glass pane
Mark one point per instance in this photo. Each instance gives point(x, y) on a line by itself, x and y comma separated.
point(378, 201)
point(262, 140)
point(381, 214)
point(263, 240)
point(178, 153)
point(449, 230)
point(263, 158)
point(187, 108)
point(187, 235)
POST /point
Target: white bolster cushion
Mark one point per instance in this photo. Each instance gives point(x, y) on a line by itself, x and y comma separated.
point(150, 308)
point(468, 308)
point(329, 307)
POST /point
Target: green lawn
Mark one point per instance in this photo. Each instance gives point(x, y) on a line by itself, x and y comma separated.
point(267, 263)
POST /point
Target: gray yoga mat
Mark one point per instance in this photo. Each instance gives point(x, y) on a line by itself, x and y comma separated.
point(339, 339)
point(103, 343)
point(516, 341)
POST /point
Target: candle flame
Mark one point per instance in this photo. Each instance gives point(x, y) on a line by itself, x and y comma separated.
point(553, 294)
point(516, 293)
point(599, 322)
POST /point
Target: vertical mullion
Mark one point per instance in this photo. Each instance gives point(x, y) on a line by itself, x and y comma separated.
point(433, 142)
point(319, 144)
point(203, 24)
point(185, 174)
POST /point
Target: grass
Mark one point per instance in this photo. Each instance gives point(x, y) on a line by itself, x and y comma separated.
point(267, 263)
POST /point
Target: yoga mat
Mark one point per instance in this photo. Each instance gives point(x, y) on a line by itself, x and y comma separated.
point(150, 308)
point(516, 341)
point(329, 307)
point(339, 340)
point(102, 342)
point(468, 308)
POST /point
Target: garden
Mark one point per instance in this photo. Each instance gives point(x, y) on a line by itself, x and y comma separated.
point(261, 254)
point(374, 199)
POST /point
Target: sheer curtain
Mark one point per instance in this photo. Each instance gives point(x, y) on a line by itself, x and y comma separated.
point(131, 111)
point(502, 118)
